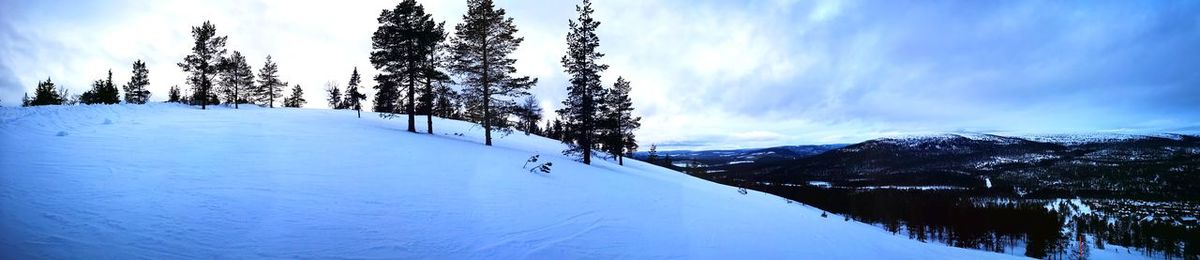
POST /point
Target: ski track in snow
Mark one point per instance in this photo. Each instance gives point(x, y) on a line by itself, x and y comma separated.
point(169, 181)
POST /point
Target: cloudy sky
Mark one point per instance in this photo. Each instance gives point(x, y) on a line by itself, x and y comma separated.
point(707, 73)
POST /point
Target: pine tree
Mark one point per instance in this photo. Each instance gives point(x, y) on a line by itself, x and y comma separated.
point(446, 102)
point(386, 95)
point(296, 99)
point(529, 113)
point(652, 155)
point(237, 78)
point(173, 95)
point(559, 131)
point(112, 94)
point(618, 122)
point(26, 101)
point(135, 89)
point(400, 48)
point(103, 92)
point(91, 96)
point(204, 62)
point(269, 85)
point(335, 95)
point(353, 98)
point(480, 50)
point(435, 79)
point(199, 98)
point(582, 109)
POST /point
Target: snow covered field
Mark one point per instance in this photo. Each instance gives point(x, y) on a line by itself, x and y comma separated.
point(165, 181)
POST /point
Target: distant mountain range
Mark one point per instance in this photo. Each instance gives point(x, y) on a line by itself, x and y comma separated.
point(1163, 166)
point(737, 156)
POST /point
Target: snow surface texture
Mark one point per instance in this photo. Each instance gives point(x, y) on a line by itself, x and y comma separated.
point(164, 181)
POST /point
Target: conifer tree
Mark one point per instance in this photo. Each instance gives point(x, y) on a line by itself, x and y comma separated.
point(89, 96)
point(446, 102)
point(652, 155)
point(111, 95)
point(529, 113)
point(135, 89)
point(197, 98)
point(480, 52)
point(237, 78)
point(386, 95)
point(400, 47)
point(434, 78)
point(581, 109)
point(353, 98)
point(92, 96)
point(173, 95)
point(296, 99)
point(618, 122)
point(103, 92)
point(557, 130)
point(26, 101)
point(204, 62)
point(269, 85)
point(335, 95)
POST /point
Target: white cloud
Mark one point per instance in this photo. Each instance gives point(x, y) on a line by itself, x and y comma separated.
point(708, 73)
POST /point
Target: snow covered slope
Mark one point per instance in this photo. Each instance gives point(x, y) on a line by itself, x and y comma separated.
point(165, 181)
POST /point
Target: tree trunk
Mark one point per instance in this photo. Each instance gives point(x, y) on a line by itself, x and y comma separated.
point(586, 142)
point(587, 156)
point(204, 98)
point(412, 117)
point(487, 98)
point(587, 128)
point(620, 149)
point(203, 92)
point(487, 124)
point(429, 103)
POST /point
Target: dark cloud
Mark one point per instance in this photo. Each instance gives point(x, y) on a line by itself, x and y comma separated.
point(951, 64)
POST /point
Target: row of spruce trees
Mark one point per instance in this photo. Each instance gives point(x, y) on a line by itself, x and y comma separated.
point(418, 61)
point(213, 76)
point(418, 64)
point(103, 91)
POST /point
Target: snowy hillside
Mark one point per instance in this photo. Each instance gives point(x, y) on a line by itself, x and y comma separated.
point(165, 181)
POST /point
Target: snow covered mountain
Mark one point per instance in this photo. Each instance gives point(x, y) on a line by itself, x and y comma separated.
point(164, 181)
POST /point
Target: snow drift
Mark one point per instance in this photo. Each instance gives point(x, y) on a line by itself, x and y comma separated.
point(168, 181)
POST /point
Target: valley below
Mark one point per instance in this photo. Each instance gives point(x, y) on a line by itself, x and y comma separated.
point(1076, 197)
